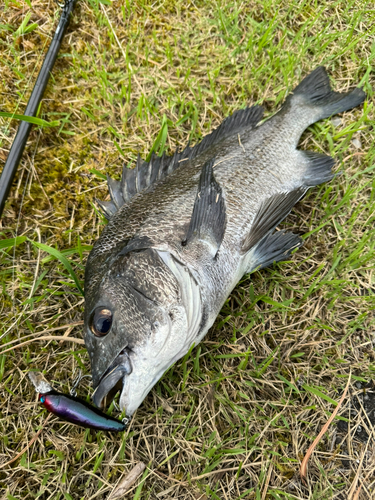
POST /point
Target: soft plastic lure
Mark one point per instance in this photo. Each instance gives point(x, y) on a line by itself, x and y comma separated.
point(79, 412)
point(73, 409)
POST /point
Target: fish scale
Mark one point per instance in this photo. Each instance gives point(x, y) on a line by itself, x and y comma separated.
point(183, 230)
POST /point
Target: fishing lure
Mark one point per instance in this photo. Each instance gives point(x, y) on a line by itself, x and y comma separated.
point(73, 409)
point(79, 412)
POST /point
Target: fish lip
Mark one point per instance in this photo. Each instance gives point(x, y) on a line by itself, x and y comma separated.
point(118, 370)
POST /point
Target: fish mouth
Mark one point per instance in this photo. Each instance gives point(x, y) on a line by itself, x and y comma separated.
point(113, 378)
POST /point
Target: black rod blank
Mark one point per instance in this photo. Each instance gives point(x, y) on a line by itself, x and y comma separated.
point(19, 143)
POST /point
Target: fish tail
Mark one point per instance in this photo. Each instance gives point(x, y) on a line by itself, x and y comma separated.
point(315, 91)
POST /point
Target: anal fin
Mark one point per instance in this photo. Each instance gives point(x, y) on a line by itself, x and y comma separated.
point(208, 220)
point(271, 212)
point(318, 168)
point(274, 247)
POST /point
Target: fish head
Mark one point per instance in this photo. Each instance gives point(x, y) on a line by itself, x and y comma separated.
point(136, 326)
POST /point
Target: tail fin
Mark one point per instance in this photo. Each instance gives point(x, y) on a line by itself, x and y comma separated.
point(315, 90)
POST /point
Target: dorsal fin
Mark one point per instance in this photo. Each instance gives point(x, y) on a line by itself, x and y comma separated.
point(145, 173)
point(242, 118)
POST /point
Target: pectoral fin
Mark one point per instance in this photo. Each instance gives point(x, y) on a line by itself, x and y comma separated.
point(208, 220)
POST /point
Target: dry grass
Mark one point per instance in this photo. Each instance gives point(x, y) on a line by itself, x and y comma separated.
point(234, 418)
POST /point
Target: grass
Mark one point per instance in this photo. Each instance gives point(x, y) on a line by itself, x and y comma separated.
point(234, 418)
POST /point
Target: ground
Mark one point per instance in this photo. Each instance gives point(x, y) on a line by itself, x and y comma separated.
point(235, 417)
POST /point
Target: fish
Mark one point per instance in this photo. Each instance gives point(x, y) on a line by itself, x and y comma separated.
point(73, 409)
point(182, 231)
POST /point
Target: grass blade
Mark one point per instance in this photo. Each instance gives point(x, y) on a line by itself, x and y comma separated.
point(12, 242)
point(138, 491)
point(62, 259)
point(30, 119)
point(303, 469)
point(319, 393)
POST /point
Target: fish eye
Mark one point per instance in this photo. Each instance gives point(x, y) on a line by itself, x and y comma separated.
point(101, 321)
point(42, 399)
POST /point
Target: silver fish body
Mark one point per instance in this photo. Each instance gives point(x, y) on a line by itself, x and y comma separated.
point(182, 232)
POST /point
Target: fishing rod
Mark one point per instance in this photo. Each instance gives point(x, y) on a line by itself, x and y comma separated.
point(19, 143)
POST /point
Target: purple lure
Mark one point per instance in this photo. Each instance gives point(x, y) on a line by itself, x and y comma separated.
point(79, 412)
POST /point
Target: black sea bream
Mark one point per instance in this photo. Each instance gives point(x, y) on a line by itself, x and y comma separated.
point(183, 230)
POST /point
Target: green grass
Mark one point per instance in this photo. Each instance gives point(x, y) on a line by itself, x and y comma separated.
point(234, 418)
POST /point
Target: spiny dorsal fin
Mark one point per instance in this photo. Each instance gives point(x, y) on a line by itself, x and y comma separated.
point(146, 173)
point(272, 211)
point(208, 220)
point(107, 207)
